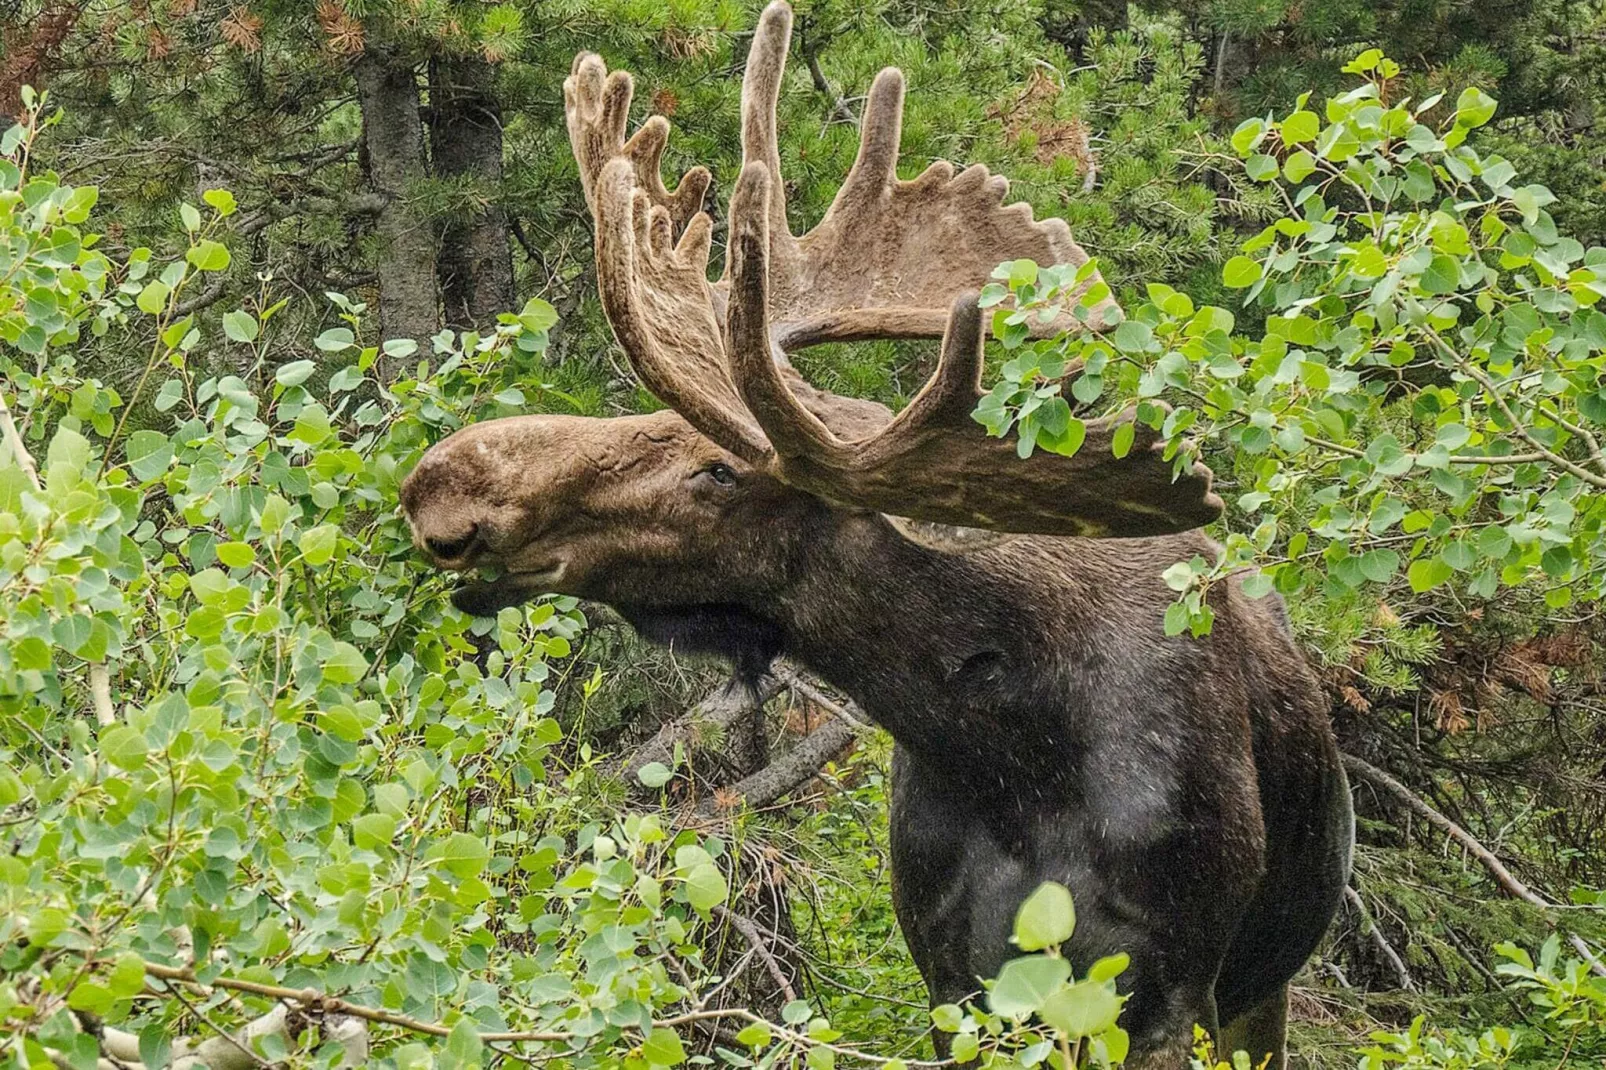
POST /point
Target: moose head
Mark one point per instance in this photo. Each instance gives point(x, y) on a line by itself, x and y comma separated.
point(1000, 616)
point(706, 502)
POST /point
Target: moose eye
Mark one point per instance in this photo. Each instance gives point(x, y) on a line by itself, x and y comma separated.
point(721, 474)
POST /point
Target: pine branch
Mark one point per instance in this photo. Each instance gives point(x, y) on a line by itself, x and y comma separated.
point(1503, 876)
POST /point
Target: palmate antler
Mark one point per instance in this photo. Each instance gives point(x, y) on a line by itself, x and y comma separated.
point(891, 259)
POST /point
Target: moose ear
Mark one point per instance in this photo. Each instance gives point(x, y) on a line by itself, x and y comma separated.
point(947, 538)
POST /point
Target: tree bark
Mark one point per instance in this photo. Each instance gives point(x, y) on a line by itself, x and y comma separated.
point(465, 140)
point(393, 137)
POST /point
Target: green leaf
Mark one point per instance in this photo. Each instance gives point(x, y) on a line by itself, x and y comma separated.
point(153, 298)
point(294, 373)
point(1247, 136)
point(655, 774)
point(1082, 1009)
point(191, 217)
point(345, 665)
point(149, 454)
point(373, 830)
point(663, 1048)
point(757, 1035)
point(318, 544)
point(335, 339)
point(240, 326)
point(1133, 336)
point(1024, 983)
point(1474, 107)
point(1240, 272)
point(796, 1012)
point(1109, 967)
point(706, 887)
point(1257, 585)
point(208, 255)
point(537, 316)
point(1443, 275)
point(221, 200)
point(1046, 919)
point(464, 855)
point(1379, 566)
point(123, 747)
point(235, 554)
point(463, 1044)
point(1261, 168)
point(1299, 166)
point(1427, 573)
point(1300, 126)
point(1022, 273)
point(1067, 441)
point(1121, 440)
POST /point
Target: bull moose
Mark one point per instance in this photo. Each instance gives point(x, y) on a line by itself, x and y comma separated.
point(1187, 790)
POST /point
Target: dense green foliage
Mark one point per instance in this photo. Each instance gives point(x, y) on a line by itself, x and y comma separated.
point(248, 750)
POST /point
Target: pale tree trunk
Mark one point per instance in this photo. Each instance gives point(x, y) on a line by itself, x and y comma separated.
point(465, 140)
point(393, 137)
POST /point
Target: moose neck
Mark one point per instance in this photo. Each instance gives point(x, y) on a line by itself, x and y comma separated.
point(934, 646)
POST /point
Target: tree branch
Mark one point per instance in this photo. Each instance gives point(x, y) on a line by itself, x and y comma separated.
point(1503, 876)
point(745, 925)
point(13, 441)
point(798, 766)
point(1371, 928)
point(720, 709)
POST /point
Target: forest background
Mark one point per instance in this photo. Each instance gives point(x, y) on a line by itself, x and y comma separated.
point(307, 771)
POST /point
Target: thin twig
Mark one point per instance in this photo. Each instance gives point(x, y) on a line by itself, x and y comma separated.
point(318, 1001)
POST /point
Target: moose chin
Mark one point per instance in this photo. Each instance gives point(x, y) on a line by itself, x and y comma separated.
point(1000, 617)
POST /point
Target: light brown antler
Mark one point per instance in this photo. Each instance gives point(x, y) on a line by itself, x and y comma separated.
point(596, 107)
point(655, 292)
point(889, 255)
point(888, 260)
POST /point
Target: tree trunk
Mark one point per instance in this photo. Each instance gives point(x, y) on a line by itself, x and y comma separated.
point(393, 136)
point(465, 140)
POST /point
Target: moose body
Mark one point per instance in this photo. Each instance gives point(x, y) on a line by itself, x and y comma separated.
point(1188, 790)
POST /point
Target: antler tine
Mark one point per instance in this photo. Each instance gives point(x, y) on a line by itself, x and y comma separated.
point(596, 108)
point(761, 94)
point(792, 429)
point(656, 296)
point(875, 167)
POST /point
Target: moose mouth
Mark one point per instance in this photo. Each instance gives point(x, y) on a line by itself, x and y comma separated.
point(487, 597)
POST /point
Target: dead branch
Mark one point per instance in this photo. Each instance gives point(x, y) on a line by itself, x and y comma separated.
point(798, 766)
point(13, 441)
point(100, 691)
point(1370, 926)
point(1503, 876)
point(720, 709)
point(755, 939)
point(839, 106)
point(800, 685)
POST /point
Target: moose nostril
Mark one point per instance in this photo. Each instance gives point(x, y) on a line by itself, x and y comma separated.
point(451, 549)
